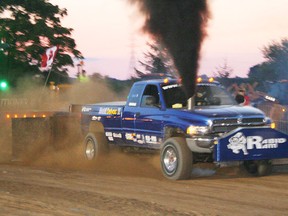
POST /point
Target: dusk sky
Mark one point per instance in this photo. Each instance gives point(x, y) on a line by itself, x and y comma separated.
point(106, 30)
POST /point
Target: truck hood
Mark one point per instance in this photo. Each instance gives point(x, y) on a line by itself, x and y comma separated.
point(228, 111)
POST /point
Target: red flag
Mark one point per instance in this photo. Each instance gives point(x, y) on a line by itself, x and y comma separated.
point(48, 57)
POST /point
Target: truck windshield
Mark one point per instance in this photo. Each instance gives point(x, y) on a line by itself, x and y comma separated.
point(206, 95)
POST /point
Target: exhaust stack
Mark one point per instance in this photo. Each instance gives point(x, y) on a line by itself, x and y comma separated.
point(180, 26)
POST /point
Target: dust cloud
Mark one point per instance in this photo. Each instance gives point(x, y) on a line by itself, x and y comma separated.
point(57, 143)
point(52, 142)
point(116, 162)
point(58, 97)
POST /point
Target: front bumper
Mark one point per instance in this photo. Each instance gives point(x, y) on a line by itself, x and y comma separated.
point(262, 143)
point(201, 144)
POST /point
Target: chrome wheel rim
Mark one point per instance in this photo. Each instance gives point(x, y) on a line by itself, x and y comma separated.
point(170, 160)
point(90, 150)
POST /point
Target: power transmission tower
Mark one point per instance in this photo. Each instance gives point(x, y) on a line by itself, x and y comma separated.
point(132, 61)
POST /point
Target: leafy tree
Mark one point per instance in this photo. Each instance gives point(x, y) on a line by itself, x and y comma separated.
point(265, 71)
point(29, 28)
point(223, 71)
point(156, 62)
point(277, 55)
point(275, 67)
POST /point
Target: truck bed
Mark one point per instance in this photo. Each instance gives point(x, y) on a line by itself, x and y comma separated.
point(114, 103)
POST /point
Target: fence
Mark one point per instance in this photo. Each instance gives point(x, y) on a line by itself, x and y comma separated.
point(278, 113)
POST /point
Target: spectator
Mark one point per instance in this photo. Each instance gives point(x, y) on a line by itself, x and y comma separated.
point(241, 98)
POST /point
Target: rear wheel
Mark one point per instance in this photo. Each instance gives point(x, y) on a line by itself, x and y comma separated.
point(258, 168)
point(95, 146)
point(176, 159)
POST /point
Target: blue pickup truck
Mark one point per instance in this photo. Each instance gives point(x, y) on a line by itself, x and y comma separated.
point(209, 127)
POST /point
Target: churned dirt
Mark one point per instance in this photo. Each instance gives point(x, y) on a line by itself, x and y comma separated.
point(62, 183)
point(53, 181)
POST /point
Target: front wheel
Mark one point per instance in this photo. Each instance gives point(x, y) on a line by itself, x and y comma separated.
point(258, 168)
point(95, 146)
point(176, 159)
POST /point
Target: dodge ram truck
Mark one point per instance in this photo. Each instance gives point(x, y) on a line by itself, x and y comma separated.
point(209, 127)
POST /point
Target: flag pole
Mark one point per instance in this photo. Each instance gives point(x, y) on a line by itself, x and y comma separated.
point(47, 78)
point(48, 60)
point(46, 81)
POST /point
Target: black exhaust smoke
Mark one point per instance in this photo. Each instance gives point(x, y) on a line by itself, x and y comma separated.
point(180, 26)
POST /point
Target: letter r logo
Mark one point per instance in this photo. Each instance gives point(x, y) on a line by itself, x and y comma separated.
point(254, 140)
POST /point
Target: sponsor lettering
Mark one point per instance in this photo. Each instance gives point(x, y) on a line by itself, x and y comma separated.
point(151, 139)
point(86, 109)
point(108, 134)
point(110, 111)
point(170, 86)
point(239, 142)
point(129, 136)
point(141, 139)
point(117, 135)
point(96, 118)
point(132, 104)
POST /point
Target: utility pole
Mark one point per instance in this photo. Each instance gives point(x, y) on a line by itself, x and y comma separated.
point(132, 60)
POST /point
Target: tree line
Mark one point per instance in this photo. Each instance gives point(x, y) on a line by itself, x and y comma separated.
point(28, 28)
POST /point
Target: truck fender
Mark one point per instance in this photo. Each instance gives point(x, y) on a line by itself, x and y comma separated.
point(95, 144)
point(96, 127)
point(170, 131)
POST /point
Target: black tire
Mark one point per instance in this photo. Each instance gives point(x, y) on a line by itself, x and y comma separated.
point(176, 159)
point(95, 146)
point(258, 168)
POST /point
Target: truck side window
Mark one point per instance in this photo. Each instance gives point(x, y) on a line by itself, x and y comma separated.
point(150, 97)
point(174, 96)
point(135, 96)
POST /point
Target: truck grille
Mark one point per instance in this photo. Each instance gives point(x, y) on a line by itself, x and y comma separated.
point(226, 125)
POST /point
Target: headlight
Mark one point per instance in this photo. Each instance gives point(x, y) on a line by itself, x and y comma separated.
point(267, 120)
point(197, 130)
point(273, 125)
point(270, 123)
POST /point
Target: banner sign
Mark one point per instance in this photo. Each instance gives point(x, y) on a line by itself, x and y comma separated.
point(251, 144)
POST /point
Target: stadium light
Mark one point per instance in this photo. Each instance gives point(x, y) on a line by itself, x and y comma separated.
point(3, 85)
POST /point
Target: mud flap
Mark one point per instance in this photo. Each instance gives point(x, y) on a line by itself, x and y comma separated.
point(251, 144)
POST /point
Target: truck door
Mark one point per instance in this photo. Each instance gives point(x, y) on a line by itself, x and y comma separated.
point(148, 118)
point(129, 114)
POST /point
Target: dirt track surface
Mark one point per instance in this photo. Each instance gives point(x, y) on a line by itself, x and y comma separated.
point(128, 184)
